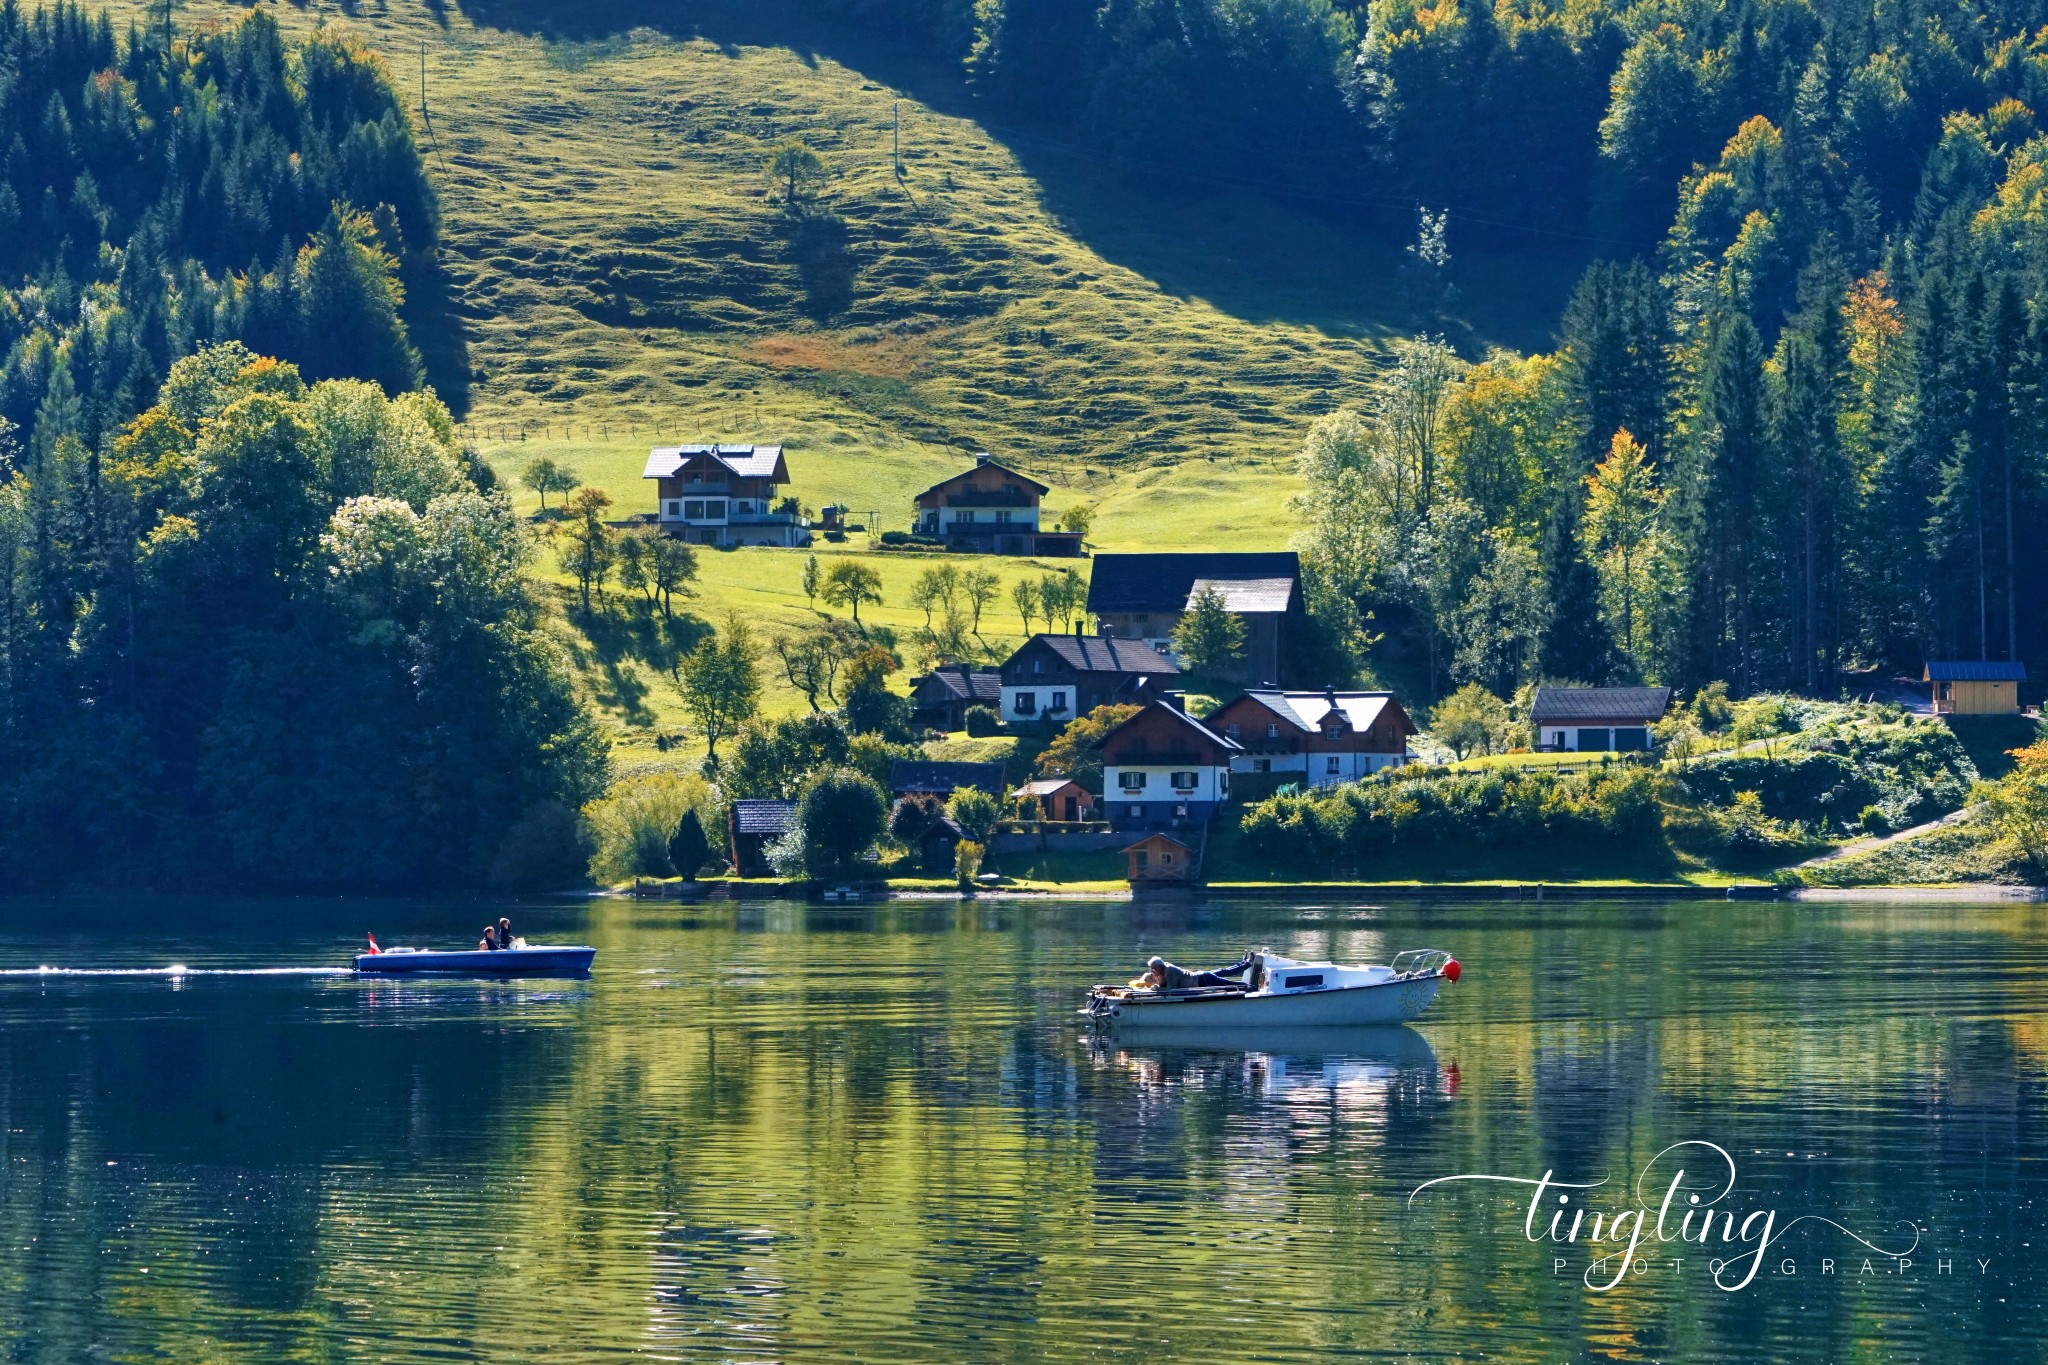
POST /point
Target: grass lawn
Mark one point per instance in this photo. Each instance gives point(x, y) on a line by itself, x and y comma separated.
point(1480, 762)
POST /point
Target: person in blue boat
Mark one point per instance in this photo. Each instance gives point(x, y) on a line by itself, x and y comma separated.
point(506, 938)
point(1162, 975)
point(490, 939)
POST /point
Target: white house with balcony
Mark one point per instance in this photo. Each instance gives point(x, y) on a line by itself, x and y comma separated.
point(724, 495)
point(1163, 769)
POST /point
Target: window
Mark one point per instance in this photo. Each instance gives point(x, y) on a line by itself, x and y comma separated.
point(675, 509)
point(1333, 764)
point(1262, 765)
point(1027, 704)
point(1233, 730)
point(1131, 782)
point(1003, 518)
point(1165, 858)
point(1272, 729)
point(1038, 665)
point(1058, 702)
point(1223, 781)
point(694, 509)
point(1186, 782)
point(962, 515)
point(715, 509)
point(1137, 812)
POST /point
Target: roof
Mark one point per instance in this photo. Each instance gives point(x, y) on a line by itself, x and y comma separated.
point(1242, 595)
point(1104, 654)
point(1554, 705)
point(987, 464)
point(763, 817)
point(1159, 837)
point(1163, 582)
point(1183, 717)
point(922, 775)
point(973, 684)
point(745, 462)
point(1974, 670)
point(1046, 786)
point(1307, 710)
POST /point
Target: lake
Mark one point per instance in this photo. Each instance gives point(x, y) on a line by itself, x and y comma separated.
point(781, 1131)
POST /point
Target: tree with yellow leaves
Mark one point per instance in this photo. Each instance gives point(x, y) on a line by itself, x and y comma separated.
point(1622, 502)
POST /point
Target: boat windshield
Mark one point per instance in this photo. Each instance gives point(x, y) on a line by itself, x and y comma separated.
point(1419, 962)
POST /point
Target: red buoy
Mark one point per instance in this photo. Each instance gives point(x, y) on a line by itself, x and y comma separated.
point(1452, 971)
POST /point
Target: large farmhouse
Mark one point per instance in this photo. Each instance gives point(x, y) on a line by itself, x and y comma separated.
point(1059, 677)
point(1143, 596)
point(1594, 719)
point(1326, 737)
point(723, 495)
point(991, 509)
point(1163, 768)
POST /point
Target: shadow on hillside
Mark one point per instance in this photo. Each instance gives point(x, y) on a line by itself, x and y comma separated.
point(622, 630)
point(434, 321)
point(1230, 246)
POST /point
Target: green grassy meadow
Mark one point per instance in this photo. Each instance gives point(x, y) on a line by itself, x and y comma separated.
point(625, 275)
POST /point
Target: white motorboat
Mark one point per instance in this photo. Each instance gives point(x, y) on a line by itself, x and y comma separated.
point(1281, 992)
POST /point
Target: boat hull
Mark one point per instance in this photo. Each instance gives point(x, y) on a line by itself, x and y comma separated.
point(1391, 1002)
point(540, 960)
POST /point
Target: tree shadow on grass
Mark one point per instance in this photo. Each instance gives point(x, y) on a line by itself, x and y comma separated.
point(622, 631)
point(824, 261)
point(1248, 253)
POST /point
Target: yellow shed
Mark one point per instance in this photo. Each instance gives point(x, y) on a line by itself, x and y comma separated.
point(1975, 687)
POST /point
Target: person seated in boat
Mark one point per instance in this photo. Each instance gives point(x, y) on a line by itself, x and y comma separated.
point(506, 938)
point(490, 939)
point(1162, 975)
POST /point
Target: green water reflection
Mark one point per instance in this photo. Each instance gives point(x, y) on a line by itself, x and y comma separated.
point(779, 1131)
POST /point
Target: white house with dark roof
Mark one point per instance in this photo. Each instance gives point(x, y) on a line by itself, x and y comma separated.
point(1162, 768)
point(1597, 719)
point(1059, 677)
point(1325, 737)
point(724, 495)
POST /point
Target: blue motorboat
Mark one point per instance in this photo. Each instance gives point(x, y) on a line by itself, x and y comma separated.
point(538, 959)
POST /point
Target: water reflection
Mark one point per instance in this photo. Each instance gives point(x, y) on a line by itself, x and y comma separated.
point(780, 1131)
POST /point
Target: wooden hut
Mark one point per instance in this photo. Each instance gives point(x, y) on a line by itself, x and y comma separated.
point(1975, 687)
point(1159, 859)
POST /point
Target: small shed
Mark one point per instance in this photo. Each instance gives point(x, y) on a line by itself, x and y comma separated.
point(750, 827)
point(1157, 859)
point(937, 845)
point(1975, 687)
point(1060, 799)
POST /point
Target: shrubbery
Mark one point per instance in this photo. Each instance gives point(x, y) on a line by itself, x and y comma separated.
point(1348, 826)
point(982, 722)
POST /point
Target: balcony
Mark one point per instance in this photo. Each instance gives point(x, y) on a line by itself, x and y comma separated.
point(996, 497)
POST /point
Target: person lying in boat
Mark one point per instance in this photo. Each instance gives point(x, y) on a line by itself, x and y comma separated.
point(1162, 975)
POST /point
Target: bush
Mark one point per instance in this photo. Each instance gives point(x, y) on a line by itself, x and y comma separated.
point(1762, 717)
point(1872, 821)
point(633, 820)
point(967, 856)
point(976, 812)
point(913, 817)
point(895, 537)
point(1711, 710)
point(838, 821)
point(688, 848)
point(982, 722)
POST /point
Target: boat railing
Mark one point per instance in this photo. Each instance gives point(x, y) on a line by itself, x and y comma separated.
point(1419, 962)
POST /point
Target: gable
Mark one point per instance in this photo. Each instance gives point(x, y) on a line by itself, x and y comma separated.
point(1163, 727)
point(986, 477)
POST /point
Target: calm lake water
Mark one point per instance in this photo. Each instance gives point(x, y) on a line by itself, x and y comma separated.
point(777, 1131)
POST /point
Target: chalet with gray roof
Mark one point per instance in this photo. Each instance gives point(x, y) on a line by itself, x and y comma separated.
point(1144, 596)
point(1164, 769)
point(724, 495)
point(1319, 738)
point(992, 509)
point(1058, 677)
point(1597, 719)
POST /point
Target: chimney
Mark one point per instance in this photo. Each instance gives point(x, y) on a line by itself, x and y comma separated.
point(1177, 700)
point(981, 457)
point(1330, 695)
point(1106, 630)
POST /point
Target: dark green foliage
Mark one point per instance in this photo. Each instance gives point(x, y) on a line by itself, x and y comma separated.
point(276, 636)
point(543, 850)
point(913, 816)
point(982, 721)
point(688, 849)
point(245, 188)
point(1910, 773)
point(1348, 828)
point(838, 821)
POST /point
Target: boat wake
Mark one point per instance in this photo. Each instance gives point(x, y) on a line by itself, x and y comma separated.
point(175, 970)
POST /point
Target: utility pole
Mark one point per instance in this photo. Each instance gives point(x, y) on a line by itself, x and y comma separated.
point(425, 117)
point(167, 35)
point(895, 133)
